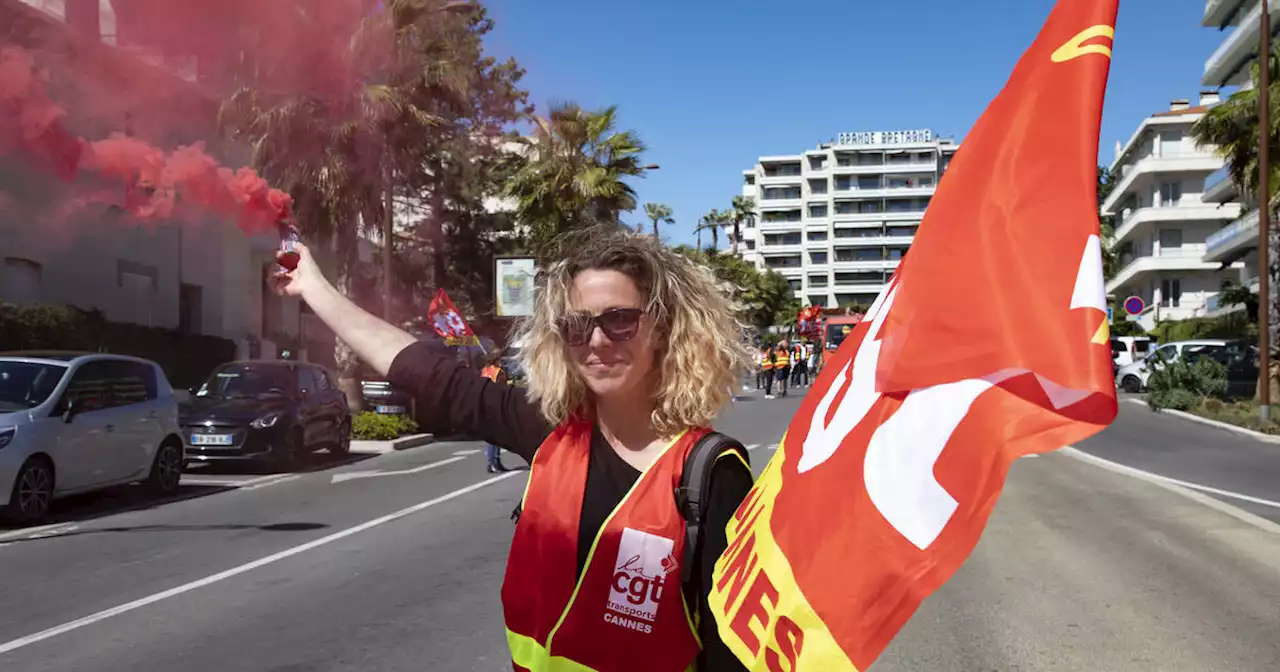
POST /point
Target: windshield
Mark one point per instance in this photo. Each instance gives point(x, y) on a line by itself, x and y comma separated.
point(836, 334)
point(238, 381)
point(25, 385)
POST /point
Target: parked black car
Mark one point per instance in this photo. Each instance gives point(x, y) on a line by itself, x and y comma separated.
point(269, 410)
point(383, 398)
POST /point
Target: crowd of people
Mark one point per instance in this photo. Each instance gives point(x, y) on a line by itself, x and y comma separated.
point(793, 365)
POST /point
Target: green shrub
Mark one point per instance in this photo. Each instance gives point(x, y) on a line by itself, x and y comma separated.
point(1182, 386)
point(186, 359)
point(377, 427)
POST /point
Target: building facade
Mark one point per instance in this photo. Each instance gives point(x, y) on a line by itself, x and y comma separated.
point(836, 220)
point(1229, 65)
point(1162, 218)
point(199, 277)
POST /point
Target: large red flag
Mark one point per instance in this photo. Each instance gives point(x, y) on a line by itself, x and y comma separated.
point(448, 324)
point(888, 472)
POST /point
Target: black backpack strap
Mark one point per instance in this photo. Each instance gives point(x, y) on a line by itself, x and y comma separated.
point(695, 483)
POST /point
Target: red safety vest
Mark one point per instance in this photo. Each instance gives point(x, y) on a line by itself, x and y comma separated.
point(627, 610)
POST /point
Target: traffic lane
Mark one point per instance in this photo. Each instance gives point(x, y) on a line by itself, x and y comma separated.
point(1083, 568)
point(422, 591)
point(198, 481)
point(111, 560)
point(1189, 451)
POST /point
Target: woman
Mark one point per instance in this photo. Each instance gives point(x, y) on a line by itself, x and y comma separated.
point(631, 352)
point(493, 372)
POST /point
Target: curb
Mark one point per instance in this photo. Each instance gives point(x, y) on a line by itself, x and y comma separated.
point(1245, 431)
point(402, 443)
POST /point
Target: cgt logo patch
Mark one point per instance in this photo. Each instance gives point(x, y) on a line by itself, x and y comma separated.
point(639, 577)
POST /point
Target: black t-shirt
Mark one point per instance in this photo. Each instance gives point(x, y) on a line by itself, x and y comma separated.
point(455, 398)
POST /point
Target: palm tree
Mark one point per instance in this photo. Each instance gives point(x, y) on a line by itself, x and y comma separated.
point(573, 173)
point(658, 212)
point(743, 213)
point(712, 221)
point(340, 154)
point(1232, 127)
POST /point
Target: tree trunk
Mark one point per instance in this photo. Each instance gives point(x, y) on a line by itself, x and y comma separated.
point(655, 229)
point(388, 236)
point(699, 240)
point(440, 269)
point(737, 236)
point(344, 357)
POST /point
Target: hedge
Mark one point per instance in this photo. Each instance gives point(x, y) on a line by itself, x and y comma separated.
point(374, 427)
point(186, 359)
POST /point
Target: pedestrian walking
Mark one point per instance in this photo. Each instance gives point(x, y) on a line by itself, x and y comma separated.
point(494, 373)
point(781, 370)
point(631, 351)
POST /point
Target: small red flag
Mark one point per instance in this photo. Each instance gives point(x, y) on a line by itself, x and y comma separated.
point(887, 474)
point(447, 323)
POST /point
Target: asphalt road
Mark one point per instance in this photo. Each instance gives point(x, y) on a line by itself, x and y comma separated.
point(395, 563)
point(1240, 468)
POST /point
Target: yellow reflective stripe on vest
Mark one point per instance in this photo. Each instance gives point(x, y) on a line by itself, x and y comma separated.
point(529, 654)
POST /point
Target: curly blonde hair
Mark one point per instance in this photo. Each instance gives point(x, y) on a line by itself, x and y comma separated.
point(701, 344)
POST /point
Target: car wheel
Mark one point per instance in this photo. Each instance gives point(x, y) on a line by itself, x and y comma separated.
point(342, 447)
point(166, 470)
point(32, 493)
point(295, 445)
point(1131, 384)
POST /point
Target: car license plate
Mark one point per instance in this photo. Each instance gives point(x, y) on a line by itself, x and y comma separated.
point(210, 439)
point(389, 410)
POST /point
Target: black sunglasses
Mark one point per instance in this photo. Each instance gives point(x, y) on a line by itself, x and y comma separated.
point(619, 324)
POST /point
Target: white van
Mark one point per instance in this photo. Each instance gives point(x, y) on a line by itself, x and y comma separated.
point(1126, 350)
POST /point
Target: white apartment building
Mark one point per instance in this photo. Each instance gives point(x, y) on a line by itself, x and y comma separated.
point(1240, 21)
point(197, 277)
point(1162, 219)
point(836, 220)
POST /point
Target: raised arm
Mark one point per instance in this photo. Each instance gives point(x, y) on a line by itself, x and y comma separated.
point(449, 395)
point(373, 340)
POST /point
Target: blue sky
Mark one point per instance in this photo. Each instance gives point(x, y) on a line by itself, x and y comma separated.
point(710, 85)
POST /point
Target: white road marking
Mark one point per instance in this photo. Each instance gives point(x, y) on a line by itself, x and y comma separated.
point(1031, 455)
point(752, 446)
point(465, 452)
point(338, 478)
point(31, 531)
point(231, 484)
point(263, 484)
point(39, 532)
point(1186, 488)
point(241, 569)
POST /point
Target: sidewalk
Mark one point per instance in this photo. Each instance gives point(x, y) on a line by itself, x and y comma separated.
point(402, 443)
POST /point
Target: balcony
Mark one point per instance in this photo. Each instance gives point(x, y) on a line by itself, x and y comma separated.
point(1187, 162)
point(853, 193)
point(1227, 65)
point(866, 265)
point(781, 248)
point(1185, 258)
point(1221, 13)
point(1130, 223)
point(781, 203)
point(873, 241)
point(1232, 239)
point(1218, 187)
point(781, 226)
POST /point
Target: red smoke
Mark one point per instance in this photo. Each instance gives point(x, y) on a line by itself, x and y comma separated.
point(155, 183)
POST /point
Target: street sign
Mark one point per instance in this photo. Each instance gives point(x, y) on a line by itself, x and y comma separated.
point(1110, 311)
point(1134, 305)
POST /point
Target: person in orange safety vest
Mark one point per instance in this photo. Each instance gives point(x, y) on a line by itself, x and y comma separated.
point(631, 352)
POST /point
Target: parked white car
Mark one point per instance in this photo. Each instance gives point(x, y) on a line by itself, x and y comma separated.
point(76, 422)
point(1132, 378)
